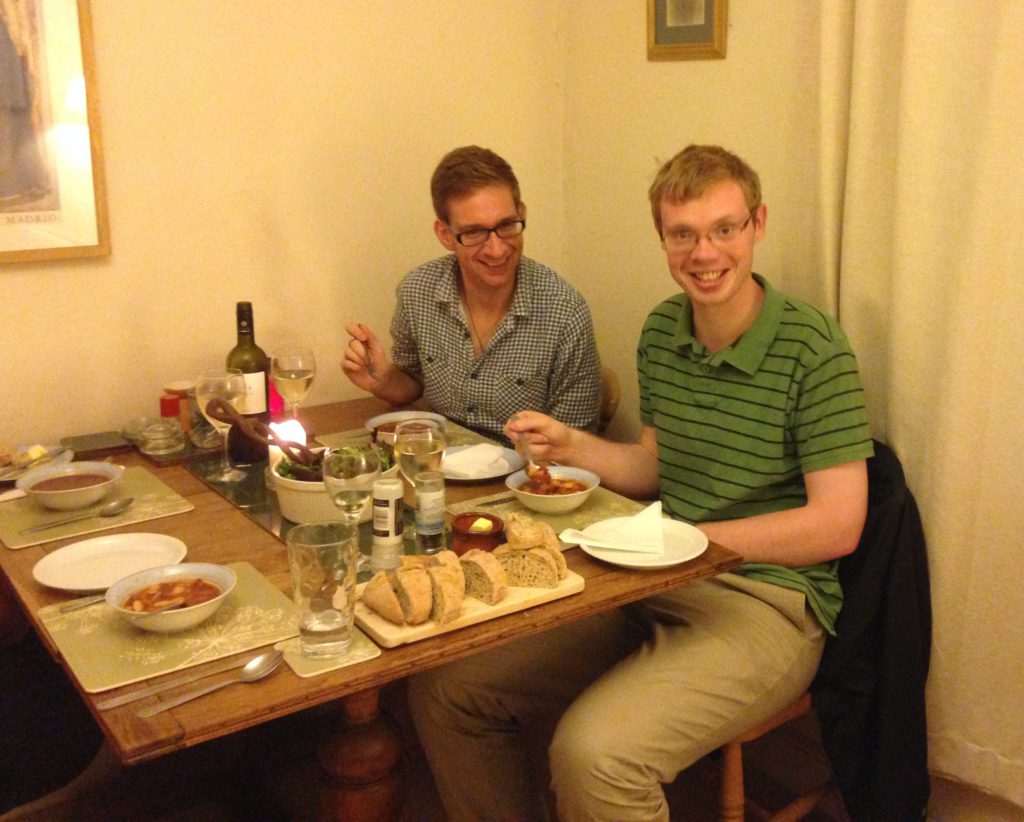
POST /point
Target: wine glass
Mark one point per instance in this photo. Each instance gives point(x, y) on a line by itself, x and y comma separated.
point(350, 470)
point(419, 447)
point(227, 384)
point(292, 370)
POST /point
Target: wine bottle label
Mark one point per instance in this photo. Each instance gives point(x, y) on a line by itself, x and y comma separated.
point(255, 399)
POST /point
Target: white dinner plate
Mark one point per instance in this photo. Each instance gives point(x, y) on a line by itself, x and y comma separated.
point(515, 462)
point(682, 542)
point(402, 416)
point(96, 564)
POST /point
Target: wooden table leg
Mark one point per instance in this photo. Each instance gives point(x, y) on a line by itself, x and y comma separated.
point(360, 764)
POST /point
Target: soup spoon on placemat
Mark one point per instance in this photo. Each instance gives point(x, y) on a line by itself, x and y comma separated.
point(111, 509)
point(257, 668)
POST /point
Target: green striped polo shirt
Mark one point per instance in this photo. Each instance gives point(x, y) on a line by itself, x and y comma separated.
point(738, 428)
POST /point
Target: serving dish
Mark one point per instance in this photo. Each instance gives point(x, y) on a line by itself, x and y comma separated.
point(70, 498)
point(175, 619)
point(554, 503)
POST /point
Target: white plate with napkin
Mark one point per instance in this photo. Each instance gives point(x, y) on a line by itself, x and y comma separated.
point(645, 540)
point(480, 462)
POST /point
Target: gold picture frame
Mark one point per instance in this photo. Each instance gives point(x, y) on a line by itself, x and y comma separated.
point(686, 29)
point(53, 201)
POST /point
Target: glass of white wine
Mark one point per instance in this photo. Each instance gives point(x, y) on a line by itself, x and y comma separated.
point(227, 384)
point(350, 469)
point(419, 447)
point(293, 370)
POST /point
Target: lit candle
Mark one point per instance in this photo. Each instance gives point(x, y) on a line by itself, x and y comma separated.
point(288, 431)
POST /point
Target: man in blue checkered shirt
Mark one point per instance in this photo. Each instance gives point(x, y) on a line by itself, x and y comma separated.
point(483, 332)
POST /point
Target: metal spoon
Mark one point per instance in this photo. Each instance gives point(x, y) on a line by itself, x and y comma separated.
point(111, 509)
point(256, 669)
point(531, 464)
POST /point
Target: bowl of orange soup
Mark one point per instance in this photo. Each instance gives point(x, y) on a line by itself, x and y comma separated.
point(171, 598)
point(72, 485)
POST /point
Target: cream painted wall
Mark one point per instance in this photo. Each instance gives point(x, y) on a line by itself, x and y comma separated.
point(625, 116)
point(279, 153)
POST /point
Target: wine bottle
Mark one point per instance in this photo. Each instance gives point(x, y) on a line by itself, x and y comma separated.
point(252, 361)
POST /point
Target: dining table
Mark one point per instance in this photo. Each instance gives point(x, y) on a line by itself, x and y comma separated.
point(359, 764)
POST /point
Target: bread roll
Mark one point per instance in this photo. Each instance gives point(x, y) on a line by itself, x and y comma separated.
point(485, 577)
point(413, 588)
point(380, 597)
point(533, 568)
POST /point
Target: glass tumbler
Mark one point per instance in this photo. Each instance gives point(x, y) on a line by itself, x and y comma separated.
point(323, 558)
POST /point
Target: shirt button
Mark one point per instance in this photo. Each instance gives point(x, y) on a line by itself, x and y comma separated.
point(473, 376)
point(471, 409)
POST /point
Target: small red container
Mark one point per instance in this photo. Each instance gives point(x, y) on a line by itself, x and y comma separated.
point(464, 539)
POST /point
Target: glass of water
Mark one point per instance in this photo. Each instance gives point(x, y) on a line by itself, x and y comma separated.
point(323, 557)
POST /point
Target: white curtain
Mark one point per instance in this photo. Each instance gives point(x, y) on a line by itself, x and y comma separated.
point(925, 102)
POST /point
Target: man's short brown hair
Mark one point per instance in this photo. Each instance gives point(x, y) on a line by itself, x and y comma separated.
point(465, 170)
point(694, 170)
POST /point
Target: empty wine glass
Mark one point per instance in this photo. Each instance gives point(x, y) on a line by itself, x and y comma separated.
point(350, 470)
point(227, 384)
point(293, 370)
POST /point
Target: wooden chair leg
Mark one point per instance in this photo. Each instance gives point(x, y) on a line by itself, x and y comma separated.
point(731, 798)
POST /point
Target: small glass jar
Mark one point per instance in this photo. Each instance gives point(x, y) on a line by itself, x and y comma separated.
point(475, 529)
point(429, 487)
point(162, 437)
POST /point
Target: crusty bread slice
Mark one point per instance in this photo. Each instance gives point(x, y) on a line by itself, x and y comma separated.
point(445, 558)
point(551, 544)
point(485, 576)
point(413, 588)
point(448, 589)
point(532, 568)
point(380, 597)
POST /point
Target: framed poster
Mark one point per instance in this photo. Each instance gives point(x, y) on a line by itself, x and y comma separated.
point(686, 29)
point(52, 192)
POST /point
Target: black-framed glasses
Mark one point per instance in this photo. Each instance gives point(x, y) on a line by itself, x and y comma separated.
point(479, 236)
point(682, 239)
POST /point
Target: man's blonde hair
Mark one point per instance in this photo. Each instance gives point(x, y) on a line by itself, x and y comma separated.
point(694, 170)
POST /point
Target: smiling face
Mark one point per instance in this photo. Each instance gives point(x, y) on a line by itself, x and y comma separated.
point(718, 277)
point(490, 266)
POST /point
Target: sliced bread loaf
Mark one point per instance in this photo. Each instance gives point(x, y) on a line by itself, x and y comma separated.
point(532, 568)
point(485, 576)
point(380, 597)
point(448, 589)
point(413, 588)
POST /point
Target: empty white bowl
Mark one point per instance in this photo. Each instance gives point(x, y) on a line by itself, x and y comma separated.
point(176, 619)
point(554, 503)
point(70, 499)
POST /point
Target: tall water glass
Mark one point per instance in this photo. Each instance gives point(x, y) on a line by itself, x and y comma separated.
point(322, 557)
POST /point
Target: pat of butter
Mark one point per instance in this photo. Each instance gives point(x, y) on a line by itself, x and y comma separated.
point(480, 524)
point(36, 451)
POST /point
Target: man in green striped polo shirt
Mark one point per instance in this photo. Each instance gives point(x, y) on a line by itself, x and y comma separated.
point(754, 429)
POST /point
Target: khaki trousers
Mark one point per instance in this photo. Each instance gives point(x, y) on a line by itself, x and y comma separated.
point(638, 695)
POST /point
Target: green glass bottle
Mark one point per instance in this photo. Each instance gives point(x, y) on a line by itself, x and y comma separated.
point(252, 361)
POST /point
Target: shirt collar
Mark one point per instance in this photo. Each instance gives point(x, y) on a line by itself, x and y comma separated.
point(749, 351)
point(522, 298)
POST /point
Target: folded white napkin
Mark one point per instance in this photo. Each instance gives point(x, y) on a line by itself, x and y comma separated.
point(483, 460)
point(641, 534)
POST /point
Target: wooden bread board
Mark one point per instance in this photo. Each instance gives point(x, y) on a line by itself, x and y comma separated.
point(388, 635)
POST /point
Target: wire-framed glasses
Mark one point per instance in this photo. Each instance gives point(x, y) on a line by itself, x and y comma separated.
point(683, 239)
